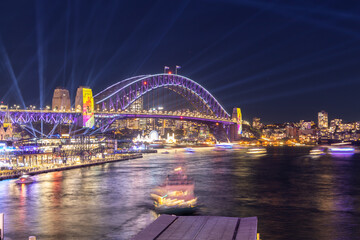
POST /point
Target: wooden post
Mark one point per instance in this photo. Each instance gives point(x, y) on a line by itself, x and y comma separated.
point(2, 226)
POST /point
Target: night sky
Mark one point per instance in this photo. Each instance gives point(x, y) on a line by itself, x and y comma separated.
point(277, 60)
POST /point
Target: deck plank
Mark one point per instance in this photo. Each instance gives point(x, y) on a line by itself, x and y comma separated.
point(247, 229)
point(155, 228)
point(218, 228)
point(168, 227)
point(185, 228)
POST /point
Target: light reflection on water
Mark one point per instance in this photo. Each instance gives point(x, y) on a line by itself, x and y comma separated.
point(293, 195)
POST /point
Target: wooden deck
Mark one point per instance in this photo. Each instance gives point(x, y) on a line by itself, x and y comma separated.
point(171, 227)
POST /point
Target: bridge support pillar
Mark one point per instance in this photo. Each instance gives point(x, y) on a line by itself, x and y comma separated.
point(232, 132)
point(84, 103)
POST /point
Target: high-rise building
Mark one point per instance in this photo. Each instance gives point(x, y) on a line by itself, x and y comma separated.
point(61, 99)
point(137, 105)
point(323, 121)
point(335, 123)
point(305, 124)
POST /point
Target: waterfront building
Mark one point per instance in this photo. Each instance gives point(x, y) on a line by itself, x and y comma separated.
point(256, 123)
point(323, 121)
point(357, 126)
point(291, 131)
point(6, 132)
point(346, 127)
point(61, 100)
point(244, 122)
point(306, 124)
point(334, 124)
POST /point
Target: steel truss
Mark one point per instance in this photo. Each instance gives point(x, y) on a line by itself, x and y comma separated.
point(120, 97)
point(24, 117)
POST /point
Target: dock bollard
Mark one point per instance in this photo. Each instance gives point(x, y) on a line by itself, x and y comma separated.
point(32, 238)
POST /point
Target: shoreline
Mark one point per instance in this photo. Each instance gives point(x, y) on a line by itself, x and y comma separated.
point(133, 156)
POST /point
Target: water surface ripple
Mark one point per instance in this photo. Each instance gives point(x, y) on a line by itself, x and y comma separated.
point(293, 195)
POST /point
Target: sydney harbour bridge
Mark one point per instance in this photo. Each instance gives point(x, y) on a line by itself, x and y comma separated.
point(114, 103)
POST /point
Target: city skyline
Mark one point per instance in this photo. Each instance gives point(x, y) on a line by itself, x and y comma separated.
point(277, 61)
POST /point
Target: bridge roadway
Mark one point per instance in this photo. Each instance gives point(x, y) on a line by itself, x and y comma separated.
point(67, 117)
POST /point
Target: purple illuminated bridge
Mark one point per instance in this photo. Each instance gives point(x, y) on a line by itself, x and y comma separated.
point(114, 103)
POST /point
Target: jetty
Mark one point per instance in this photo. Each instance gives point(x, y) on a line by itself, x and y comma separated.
point(172, 227)
point(68, 167)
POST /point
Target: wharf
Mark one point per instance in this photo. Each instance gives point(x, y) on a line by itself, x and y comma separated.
point(172, 227)
point(62, 168)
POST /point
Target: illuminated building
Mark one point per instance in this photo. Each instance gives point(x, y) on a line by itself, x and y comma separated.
point(6, 132)
point(244, 122)
point(334, 124)
point(137, 105)
point(291, 132)
point(185, 130)
point(346, 127)
point(256, 123)
point(306, 124)
point(323, 121)
point(61, 100)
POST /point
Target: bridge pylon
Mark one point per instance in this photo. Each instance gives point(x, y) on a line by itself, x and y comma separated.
point(235, 130)
point(84, 103)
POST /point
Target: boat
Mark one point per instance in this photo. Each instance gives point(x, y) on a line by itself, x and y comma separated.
point(24, 179)
point(224, 145)
point(238, 147)
point(258, 150)
point(165, 152)
point(338, 149)
point(219, 149)
point(189, 150)
point(341, 150)
point(318, 151)
point(176, 194)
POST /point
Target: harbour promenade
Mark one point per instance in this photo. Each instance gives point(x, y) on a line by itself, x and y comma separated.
point(15, 173)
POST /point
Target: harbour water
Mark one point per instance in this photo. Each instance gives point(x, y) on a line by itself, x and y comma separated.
point(293, 195)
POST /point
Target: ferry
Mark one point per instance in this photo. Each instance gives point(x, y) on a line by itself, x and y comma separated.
point(224, 145)
point(24, 179)
point(219, 149)
point(258, 150)
point(189, 150)
point(176, 194)
point(341, 150)
point(334, 149)
point(318, 151)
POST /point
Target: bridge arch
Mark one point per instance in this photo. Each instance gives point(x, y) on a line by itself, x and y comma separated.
point(121, 95)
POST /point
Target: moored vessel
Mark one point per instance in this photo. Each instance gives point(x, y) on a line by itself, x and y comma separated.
point(24, 179)
point(176, 194)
